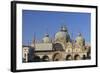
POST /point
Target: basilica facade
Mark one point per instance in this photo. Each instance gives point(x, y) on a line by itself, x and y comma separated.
point(61, 48)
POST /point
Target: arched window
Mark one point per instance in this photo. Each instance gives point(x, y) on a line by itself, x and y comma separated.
point(57, 57)
point(45, 58)
point(77, 57)
point(84, 57)
point(58, 47)
point(68, 57)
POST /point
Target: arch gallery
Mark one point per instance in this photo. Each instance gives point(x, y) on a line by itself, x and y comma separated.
point(61, 48)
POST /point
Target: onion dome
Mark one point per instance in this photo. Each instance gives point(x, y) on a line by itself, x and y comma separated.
point(80, 40)
point(46, 39)
point(62, 34)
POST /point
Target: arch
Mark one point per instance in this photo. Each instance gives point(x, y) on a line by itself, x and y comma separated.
point(58, 47)
point(36, 59)
point(88, 55)
point(77, 57)
point(84, 57)
point(45, 58)
point(57, 57)
point(69, 57)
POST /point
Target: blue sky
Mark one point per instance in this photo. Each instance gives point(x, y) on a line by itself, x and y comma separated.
point(41, 22)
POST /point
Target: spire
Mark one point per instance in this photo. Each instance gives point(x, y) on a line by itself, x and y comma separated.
point(34, 40)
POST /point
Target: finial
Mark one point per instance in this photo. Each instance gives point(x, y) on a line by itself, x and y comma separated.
point(64, 28)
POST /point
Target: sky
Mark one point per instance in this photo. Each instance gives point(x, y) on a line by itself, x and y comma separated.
point(41, 22)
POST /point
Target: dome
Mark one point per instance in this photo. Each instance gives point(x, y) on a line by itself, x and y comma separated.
point(46, 39)
point(62, 34)
point(80, 40)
